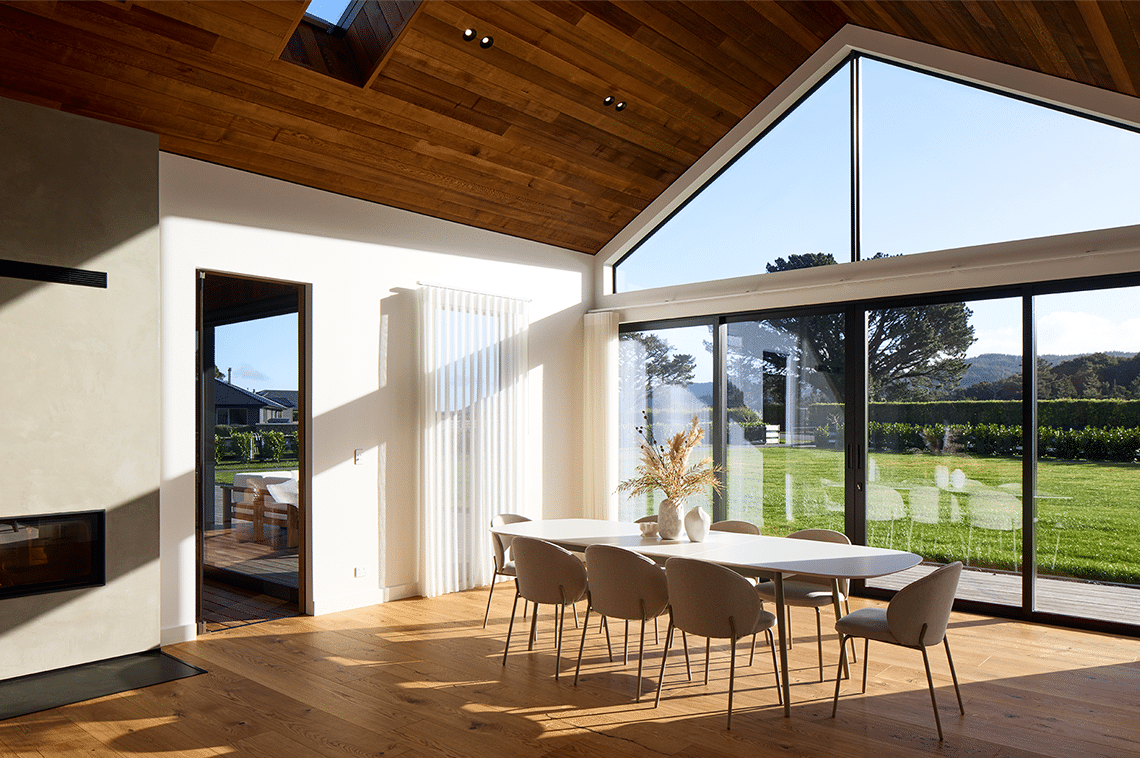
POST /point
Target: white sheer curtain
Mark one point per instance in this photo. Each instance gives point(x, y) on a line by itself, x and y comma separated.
point(473, 419)
point(600, 425)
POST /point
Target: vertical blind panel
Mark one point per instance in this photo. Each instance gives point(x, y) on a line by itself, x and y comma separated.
point(473, 415)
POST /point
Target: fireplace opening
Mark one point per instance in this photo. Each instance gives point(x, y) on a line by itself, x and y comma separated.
point(48, 553)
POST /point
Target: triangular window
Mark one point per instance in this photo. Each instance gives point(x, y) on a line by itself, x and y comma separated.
point(930, 163)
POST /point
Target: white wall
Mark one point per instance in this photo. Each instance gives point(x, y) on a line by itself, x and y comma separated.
point(363, 262)
point(79, 383)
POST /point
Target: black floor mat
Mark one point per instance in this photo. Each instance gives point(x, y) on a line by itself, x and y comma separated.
point(51, 689)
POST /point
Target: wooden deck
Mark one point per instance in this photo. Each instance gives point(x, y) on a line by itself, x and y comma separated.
point(422, 678)
point(1069, 597)
point(226, 607)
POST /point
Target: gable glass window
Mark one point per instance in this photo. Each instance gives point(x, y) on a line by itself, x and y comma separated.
point(997, 425)
point(757, 210)
point(930, 163)
point(945, 165)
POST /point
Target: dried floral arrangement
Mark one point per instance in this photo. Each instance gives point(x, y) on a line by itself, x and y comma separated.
point(666, 467)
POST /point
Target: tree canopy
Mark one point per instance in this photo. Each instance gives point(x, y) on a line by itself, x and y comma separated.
point(915, 353)
point(654, 359)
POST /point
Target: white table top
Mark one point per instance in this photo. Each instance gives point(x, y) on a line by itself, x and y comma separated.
point(743, 552)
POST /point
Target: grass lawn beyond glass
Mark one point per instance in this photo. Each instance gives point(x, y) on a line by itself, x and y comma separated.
point(1088, 514)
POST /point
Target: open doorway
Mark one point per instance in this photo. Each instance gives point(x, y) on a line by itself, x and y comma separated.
point(251, 451)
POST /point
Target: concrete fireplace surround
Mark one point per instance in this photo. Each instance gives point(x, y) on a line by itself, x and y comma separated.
point(80, 375)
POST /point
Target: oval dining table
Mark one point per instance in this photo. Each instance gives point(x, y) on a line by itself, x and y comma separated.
point(751, 555)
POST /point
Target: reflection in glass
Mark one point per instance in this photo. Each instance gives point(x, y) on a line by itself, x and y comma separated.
point(665, 378)
point(944, 436)
point(785, 411)
point(1088, 414)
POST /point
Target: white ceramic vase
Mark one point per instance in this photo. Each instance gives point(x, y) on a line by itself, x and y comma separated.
point(670, 521)
point(697, 524)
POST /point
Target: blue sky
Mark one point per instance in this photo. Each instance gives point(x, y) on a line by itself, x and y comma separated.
point(262, 353)
point(944, 166)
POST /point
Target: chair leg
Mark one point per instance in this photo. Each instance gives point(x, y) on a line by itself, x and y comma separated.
point(575, 615)
point(609, 648)
point(752, 655)
point(490, 594)
point(866, 647)
point(819, 641)
point(953, 675)
point(731, 671)
point(839, 671)
point(561, 626)
point(708, 653)
point(510, 627)
point(533, 625)
point(640, 656)
point(930, 684)
point(625, 645)
point(776, 668)
point(581, 647)
point(685, 644)
point(664, 656)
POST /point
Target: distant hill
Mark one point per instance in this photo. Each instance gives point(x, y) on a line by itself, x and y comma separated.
point(990, 367)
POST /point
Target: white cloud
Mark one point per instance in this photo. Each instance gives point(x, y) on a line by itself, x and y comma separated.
point(1072, 332)
point(246, 371)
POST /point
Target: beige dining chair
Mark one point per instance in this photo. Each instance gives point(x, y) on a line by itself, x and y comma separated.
point(916, 617)
point(500, 547)
point(810, 591)
point(624, 585)
point(712, 601)
point(545, 574)
point(742, 527)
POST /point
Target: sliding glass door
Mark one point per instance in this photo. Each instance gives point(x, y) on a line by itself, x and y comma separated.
point(784, 401)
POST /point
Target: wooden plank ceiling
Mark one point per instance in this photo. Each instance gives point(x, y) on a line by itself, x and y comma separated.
point(513, 138)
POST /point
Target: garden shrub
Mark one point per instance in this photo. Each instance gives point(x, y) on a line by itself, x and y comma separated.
point(272, 445)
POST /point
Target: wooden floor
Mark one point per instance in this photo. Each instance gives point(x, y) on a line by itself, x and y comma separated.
point(422, 678)
point(224, 607)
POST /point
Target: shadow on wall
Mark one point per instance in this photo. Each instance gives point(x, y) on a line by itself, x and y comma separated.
point(132, 543)
point(74, 188)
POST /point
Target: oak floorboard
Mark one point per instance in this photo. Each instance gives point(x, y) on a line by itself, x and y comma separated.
point(421, 677)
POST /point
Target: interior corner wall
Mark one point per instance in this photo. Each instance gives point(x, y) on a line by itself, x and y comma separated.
point(362, 263)
point(79, 378)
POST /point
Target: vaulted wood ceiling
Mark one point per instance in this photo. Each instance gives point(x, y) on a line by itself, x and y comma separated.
point(514, 138)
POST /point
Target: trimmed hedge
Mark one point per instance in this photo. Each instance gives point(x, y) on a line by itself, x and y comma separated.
point(1094, 444)
point(1062, 414)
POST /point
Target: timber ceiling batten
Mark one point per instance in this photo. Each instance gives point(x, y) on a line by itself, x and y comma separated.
point(516, 137)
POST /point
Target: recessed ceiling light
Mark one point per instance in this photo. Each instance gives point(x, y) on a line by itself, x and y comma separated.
point(609, 100)
point(486, 42)
point(469, 34)
point(620, 106)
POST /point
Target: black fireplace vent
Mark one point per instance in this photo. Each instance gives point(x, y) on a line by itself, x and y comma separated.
point(40, 272)
point(49, 553)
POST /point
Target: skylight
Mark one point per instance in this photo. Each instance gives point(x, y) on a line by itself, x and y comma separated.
point(331, 11)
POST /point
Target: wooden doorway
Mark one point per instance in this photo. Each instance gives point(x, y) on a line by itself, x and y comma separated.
point(252, 459)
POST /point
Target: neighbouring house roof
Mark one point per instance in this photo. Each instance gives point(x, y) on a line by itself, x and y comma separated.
point(286, 398)
point(230, 396)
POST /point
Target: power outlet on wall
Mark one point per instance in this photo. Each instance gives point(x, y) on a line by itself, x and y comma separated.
point(358, 457)
point(360, 572)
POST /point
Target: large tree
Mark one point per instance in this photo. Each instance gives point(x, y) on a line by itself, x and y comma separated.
point(914, 353)
point(648, 353)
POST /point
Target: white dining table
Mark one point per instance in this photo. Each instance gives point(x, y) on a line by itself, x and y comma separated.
point(748, 554)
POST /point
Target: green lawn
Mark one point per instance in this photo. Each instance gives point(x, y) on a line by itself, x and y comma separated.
point(1089, 528)
point(224, 472)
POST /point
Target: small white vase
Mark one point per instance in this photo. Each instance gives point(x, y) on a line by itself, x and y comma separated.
point(697, 524)
point(670, 522)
